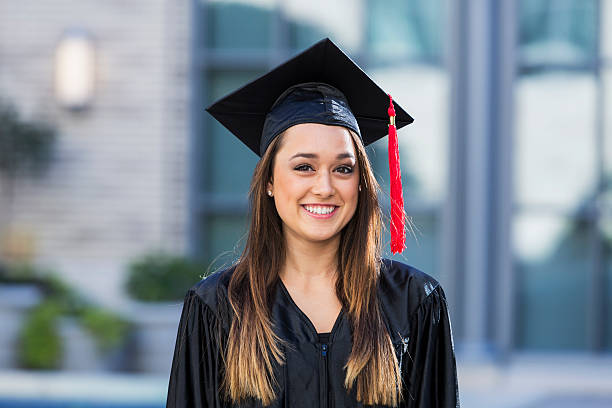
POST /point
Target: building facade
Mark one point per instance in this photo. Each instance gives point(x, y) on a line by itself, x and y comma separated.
point(507, 168)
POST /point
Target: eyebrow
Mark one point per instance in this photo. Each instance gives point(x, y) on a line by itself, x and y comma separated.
point(316, 156)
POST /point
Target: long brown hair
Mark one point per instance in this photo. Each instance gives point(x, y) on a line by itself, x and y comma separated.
point(252, 344)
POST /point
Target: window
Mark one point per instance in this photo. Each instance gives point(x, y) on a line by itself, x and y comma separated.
point(561, 256)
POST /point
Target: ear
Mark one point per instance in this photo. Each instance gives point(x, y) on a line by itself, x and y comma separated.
point(270, 186)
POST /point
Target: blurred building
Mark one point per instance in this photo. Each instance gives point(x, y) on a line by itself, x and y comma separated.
point(507, 168)
point(118, 184)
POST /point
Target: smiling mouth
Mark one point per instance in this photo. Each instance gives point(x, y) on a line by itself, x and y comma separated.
point(320, 209)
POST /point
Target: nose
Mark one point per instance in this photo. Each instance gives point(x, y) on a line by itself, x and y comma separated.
point(323, 184)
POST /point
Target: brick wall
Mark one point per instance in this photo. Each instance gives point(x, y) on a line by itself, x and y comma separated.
point(118, 185)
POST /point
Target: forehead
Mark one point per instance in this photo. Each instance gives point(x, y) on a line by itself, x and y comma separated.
point(316, 138)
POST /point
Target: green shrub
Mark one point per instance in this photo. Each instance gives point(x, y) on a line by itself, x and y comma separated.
point(18, 274)
point(161, 277)
point(70, 301)
point(24, 145)
point(40, 343)
point(108, 329)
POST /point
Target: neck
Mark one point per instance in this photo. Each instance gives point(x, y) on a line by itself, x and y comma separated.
point(310, 261)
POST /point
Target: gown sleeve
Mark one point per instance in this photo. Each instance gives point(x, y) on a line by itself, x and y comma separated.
point(432, 381)
point(194, 376)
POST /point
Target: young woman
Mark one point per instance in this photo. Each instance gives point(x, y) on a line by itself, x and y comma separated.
point(311, 315)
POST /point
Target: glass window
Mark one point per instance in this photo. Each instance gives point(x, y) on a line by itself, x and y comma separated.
point(607, 125)
point(229, 163)
point(225, 238)
point(606, 198)
point(400, 29)
point(606, 28)
point(608, 315)
point(422, 91)
point(422, 241)
point(555, 144)
point(309, 21)
point(557, 31)
point(552, 268)
point(556, 165)
point(239, 24)
point(605, 228)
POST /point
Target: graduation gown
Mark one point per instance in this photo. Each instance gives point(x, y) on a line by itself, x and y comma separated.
point(415, 311)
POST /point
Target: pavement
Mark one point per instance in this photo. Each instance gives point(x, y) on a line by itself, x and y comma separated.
point(96, 388)
point(537, 381)
point(528, 381)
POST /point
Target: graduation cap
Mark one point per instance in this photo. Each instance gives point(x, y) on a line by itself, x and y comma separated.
point(320, 85)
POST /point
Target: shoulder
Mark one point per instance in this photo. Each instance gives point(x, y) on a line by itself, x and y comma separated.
point(212, 290)
point(403, 288)
point(405, 281)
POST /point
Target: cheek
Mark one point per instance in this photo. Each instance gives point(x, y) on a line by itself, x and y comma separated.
point(351, 195)
point(355, 200)
point(287, 192)
point(286, 186)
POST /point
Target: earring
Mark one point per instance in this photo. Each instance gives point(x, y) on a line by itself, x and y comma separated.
point(360, 187)
point(270, 193)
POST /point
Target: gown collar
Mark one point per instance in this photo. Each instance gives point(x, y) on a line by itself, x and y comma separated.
point(291, 311)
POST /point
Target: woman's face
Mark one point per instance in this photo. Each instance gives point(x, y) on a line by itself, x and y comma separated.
point(315, 181)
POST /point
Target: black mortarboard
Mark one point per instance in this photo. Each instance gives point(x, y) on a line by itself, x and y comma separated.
point(334, 91)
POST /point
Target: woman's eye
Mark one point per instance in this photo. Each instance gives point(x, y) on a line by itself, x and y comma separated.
point(345, 169)
point(303, 167)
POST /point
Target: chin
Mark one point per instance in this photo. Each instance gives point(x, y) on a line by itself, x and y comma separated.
point(321, 237)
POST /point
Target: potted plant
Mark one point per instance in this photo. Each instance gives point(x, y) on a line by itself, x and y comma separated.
point(40, 345)
point(67, 331)
point(96, 339)
point(158, 283)
point(19, 293)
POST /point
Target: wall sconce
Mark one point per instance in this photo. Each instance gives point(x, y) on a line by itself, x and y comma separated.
point(74, 70)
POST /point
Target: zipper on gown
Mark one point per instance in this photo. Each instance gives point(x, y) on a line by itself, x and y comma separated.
point(323, 376)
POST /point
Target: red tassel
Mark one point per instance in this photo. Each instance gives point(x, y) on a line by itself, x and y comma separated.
point(398, 233)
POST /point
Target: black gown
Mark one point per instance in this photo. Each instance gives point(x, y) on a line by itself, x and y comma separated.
point(414, 308)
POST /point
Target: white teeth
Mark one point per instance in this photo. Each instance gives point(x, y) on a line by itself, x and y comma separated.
point(317, 209)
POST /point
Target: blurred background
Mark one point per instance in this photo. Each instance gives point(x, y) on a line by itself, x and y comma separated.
point(118, 192)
